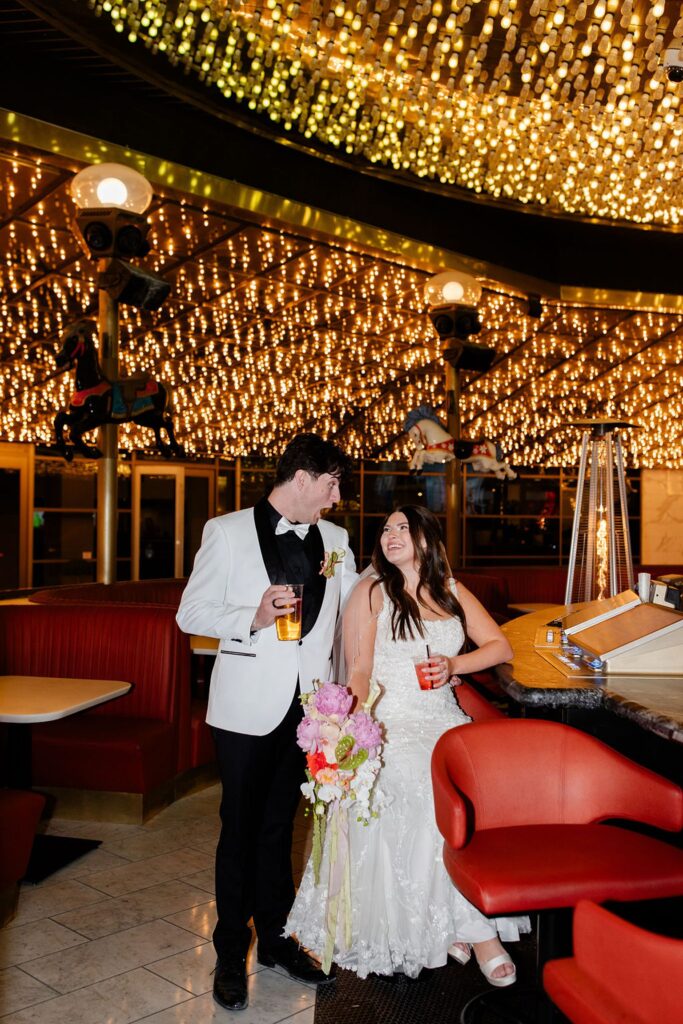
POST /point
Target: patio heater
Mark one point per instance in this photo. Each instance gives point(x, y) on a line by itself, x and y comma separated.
point(600, 562)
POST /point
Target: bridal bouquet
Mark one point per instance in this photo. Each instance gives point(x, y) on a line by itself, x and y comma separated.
point(342, 764)
point(342, 758)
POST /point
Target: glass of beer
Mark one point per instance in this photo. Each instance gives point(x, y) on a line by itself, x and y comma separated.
point(288, 626)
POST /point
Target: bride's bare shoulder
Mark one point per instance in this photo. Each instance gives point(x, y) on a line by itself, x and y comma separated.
point(367, 591)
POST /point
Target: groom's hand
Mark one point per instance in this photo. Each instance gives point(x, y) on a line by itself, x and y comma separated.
point(276, 601)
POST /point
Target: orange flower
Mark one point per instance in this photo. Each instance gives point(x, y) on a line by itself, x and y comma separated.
point(315, 762)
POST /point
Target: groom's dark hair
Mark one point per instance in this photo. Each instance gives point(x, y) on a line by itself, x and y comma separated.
point(314, 455)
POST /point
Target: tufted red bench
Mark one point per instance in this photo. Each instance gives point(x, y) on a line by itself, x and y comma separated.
point(165, 592)
point(136, 744)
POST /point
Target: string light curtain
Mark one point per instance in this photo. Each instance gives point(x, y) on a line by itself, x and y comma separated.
point(268, 332)
point(566, 106)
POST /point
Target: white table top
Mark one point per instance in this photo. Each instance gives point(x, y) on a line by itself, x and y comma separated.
point(26, 699)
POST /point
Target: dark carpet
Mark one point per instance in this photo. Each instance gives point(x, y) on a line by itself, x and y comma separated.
point(436, 997)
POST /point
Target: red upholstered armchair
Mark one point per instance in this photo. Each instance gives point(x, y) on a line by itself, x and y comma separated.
point(477, 707)
point(618, 972)
point(520, 805)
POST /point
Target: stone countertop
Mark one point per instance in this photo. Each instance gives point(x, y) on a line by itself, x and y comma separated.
point(654, 703)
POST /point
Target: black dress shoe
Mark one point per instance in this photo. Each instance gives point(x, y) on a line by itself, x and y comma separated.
point(230, 983)
point(295, 960)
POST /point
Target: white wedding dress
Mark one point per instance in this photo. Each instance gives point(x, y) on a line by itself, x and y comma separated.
point(405, 910)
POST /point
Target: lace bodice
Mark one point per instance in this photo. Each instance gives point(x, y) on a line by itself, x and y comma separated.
point(402, 700)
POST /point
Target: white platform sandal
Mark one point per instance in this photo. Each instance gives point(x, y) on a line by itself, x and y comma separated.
point(489, 966)
point(463, 956)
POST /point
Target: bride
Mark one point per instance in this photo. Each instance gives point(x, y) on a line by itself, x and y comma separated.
point(406, 913)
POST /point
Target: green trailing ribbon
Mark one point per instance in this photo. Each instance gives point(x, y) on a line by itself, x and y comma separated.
point(339, 886)
point(319, 828)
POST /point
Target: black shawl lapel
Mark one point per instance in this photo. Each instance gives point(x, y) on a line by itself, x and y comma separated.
point(315, 593)
point(266, 539)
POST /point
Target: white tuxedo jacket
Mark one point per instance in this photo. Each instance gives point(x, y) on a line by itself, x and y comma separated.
point(254, 678)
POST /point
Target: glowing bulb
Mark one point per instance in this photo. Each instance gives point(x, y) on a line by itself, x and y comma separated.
point(112, 192)
point(452, 291)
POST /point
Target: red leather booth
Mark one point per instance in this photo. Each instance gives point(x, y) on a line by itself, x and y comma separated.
point(133, 744)
point(164, 592)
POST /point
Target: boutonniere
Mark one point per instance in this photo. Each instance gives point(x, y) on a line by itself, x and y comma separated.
point(330, 562)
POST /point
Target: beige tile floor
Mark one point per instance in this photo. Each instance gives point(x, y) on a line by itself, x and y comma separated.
point(124, 933)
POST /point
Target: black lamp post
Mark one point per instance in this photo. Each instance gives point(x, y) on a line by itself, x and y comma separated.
point(110, 224)
point(453, 297)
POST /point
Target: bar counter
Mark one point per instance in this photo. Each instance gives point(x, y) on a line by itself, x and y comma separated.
point(654, 703)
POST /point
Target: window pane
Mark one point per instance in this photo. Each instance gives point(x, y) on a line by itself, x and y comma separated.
point(226, 491)
point(58, 485)
point(9, 528)
point(483, 495)
point(54, 574)
point(530, 496)
point(157, 526)
point(256, 484)
point(123, 535)
point(350, 495)
point(500, 539)
point(385, 491)
point(64, 535)
point(196, 514)
point(124, 485)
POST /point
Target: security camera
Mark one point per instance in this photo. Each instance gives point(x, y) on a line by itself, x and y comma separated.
point(455, 321)
point(673, 63)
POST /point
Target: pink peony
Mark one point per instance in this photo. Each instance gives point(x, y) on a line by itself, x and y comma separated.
point(331, 699)
point(308, 734)
point(364, 730)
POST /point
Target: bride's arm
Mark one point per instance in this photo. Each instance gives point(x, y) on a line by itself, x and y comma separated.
point(359, 626)
point(493, 647)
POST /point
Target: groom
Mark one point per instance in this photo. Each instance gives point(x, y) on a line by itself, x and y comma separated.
point(236, 591)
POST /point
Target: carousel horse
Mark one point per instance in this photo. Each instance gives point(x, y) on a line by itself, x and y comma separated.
point(97, 400)
point(434, 444)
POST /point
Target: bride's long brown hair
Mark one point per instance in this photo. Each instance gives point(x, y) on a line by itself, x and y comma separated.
point(433, 570)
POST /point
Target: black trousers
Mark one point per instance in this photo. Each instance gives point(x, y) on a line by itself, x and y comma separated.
point(261, 777)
